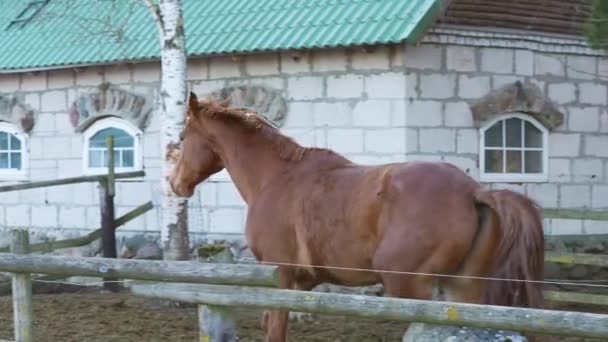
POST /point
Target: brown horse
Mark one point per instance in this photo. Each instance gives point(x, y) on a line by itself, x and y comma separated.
point(313, 207)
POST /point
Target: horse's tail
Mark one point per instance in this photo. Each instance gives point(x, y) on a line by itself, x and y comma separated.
point(518, 252)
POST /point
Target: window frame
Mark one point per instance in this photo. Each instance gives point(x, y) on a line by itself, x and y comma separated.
point(112, 122)
point(514, 177)
point(13, 174)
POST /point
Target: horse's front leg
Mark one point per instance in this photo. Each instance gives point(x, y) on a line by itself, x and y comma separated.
point(274, 322)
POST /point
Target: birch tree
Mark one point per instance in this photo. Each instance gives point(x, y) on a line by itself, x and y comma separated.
point(168, 17)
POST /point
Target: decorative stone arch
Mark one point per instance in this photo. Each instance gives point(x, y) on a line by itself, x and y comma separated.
point(266, 101)
point(14, 111)
point(517, 97)
point(110, 101)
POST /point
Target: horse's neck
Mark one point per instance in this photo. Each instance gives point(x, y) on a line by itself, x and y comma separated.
point(250, 160)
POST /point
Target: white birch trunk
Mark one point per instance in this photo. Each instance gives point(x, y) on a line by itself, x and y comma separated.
point(174, 210)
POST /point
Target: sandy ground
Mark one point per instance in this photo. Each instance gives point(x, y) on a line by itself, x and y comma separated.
point(90, 315)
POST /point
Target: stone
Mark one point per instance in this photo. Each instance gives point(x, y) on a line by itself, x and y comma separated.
point(524, 62)
point(329, 60)
point(269, 103)
point(53, 101)
point(517, 97)
point(14, 110)
point(376, 58)
point(467, 141)
point(34, 81)
point(223, 67)
point(389, 85)
point(592, 93)
point(262, 64)
point(305, 87)
point(561, 93)
point(94, 76)
point(581, 67)
point(345, 86)
point(472, 87)
point(140, 247)
point(564, 145)
point(372, 113)
point(437, 140)
point(548, 65)
point(293, 62)
point(345, 140)
point(575, 196)
point(424, 114)
point(388, 140)
point(60, 79)
point(109, 100)
point(437, 86)
point(425, 56)
point(421, 332)
point(596, 145)
point(461, 58)
point(332, 114)
point(458, 114)
point(497, 60)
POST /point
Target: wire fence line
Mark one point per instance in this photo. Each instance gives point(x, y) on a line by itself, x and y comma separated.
point(252, 261)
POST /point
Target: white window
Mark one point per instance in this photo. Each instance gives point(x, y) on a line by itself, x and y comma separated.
point(127, 146)
point(514, 148)
point(13, 152)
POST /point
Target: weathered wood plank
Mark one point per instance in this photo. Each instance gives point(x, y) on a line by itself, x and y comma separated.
point(22, 290)
point(49, 246)
point(575, 214)
point(433, 312)
point(216, 323)
point(157, 270)
point(574, 297)
point(66, 181)
point(577, 258)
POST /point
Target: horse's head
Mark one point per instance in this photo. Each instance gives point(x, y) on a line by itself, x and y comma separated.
point(196, 159)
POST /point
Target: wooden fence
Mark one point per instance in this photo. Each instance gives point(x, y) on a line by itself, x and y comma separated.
point(227, 285)
point(109, 224)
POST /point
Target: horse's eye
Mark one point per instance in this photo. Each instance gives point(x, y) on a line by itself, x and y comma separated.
point(181, 137)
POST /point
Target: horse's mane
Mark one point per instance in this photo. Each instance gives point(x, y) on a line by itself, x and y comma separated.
point(287, 147)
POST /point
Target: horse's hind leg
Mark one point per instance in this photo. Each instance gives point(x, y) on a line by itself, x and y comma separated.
point(415, 261)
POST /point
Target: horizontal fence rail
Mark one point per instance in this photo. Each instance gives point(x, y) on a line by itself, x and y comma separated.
point(72, 180)
point(169, 271)
point(550, 322)
point(575, 214)
point(49, 246)
point(575, 297)
point(577, 258)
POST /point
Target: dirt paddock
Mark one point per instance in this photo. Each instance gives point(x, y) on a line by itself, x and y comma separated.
point(91, 315)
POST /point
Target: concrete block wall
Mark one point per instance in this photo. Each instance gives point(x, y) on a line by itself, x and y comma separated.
point(444, 78)
point(388, 104)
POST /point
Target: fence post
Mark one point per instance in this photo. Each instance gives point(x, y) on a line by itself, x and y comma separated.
point(216, 323)
point(108, 236)
point(22, 290)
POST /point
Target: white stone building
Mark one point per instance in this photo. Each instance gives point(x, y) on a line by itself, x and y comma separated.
point(441, 95)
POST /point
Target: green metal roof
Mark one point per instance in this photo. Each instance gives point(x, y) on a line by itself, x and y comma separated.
point(68, 32)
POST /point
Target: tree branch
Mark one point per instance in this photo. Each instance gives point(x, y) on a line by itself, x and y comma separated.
point(155, 11)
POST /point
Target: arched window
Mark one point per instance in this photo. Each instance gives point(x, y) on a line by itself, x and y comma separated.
point(13, 152)
point(127, 146)
point(514, 148)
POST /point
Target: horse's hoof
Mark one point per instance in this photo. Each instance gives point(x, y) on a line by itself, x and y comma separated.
point(264, 321)
point(300, 316)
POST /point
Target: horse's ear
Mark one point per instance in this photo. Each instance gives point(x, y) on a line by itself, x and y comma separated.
point(192, 103)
